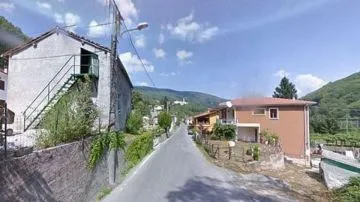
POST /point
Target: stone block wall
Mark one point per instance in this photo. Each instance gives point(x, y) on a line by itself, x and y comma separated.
point(57, 174)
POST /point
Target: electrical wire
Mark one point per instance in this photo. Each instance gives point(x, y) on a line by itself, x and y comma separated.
point(138, 55)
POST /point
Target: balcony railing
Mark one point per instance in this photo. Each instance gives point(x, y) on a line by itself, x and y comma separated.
point(227, 121)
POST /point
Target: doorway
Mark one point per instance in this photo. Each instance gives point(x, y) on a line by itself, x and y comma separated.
point(85, 61)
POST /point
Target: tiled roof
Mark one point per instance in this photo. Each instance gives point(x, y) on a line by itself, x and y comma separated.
point(204, 114)
point(269, 101)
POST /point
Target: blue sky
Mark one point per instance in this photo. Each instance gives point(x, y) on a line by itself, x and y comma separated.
point(230, 48)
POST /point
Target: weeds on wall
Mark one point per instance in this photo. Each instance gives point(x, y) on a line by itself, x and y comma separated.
point(70, 119)
point(102, 143)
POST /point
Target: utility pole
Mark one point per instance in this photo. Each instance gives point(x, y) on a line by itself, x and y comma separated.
point(113, 124)
point(113, 112)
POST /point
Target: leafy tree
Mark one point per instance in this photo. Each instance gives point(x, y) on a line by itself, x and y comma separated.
point(165, 102)
point(286, 89)
point(140, 104)
point(164, 120)
point(134, 122)
point(324, 124)
point(226, 132)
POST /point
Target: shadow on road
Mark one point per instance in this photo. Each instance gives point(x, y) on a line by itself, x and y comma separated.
point(210, 189)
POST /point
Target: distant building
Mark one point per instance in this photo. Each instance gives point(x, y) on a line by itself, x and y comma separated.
point(183, 102)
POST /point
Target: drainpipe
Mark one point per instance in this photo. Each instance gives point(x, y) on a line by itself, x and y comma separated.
point(306, 135)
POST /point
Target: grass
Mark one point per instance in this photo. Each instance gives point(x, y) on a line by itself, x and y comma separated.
point(103, 192)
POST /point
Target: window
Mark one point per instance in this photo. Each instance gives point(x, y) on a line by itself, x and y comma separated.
point(259, 111)
point(274, 113)
point(2, 85)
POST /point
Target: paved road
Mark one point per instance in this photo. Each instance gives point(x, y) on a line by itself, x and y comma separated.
point(178, 171)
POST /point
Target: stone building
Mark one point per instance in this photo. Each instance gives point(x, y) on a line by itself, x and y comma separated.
point(42, 69)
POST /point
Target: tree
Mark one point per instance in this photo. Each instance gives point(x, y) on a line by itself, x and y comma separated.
point(140, 104)
point(134, 122)
point(164, 120)
point(165, 102)
point(286, 89)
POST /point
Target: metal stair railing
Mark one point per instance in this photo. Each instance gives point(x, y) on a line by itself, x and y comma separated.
point(44, 98)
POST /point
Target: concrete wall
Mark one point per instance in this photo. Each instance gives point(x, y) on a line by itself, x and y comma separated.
point(121, 96)
point(290, 127)
point(56, 174)
point(28, 76)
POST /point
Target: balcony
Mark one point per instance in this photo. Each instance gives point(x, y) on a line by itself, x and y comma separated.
point(227, 121)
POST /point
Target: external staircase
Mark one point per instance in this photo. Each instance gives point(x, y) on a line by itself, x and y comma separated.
point(58, 86)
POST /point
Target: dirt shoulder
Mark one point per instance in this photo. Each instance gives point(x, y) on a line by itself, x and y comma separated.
point(305, 184)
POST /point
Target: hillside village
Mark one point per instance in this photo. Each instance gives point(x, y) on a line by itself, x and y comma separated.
point(74, 127)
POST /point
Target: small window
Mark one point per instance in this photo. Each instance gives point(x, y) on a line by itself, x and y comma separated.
point(2, 85)
point(259, 111)
point(274, 113)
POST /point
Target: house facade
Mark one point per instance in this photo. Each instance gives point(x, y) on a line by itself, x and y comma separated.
point(205, 121)
point(41, 70)
point(287, 118)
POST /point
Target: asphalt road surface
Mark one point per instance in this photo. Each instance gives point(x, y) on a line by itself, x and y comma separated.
point(178, 171)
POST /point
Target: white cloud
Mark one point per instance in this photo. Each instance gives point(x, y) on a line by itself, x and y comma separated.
point(168, 74)
point(133, 64)
point(306, 83)
point(187, 29)
point(161, 38)
point(68, 19)
point(183, 54)
point(159, 53)
point(7, 7)
point(281, 73)
point(58, 18)
point(43, 5)
point(127, 9)
point(143, 83)
point(98, 31)
point(140, 41)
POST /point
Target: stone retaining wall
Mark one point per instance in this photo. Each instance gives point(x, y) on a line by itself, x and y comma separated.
point(58, 174)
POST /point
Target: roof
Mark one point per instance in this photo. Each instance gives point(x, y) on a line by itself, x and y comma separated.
point(269, 101)
point(204, 114)
point(29, 43)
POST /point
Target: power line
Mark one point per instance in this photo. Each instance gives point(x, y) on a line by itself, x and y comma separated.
point(138, 55)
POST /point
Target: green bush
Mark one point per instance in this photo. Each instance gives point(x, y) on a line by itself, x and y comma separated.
point(102, 143)
point(134, 123)
point(350, 192)
point(70, 119)
point(165, 121)
point(271, 138)
point(256, 153)
point(224, 132)
point(138, 149)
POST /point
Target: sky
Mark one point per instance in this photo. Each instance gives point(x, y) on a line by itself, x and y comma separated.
point(229, 48)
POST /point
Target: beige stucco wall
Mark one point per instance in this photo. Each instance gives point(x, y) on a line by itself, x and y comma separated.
point(289, 127)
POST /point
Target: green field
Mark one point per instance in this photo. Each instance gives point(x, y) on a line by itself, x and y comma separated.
point(351, 139)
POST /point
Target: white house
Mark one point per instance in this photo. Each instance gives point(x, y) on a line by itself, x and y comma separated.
point(40, 70)
point(178, 102)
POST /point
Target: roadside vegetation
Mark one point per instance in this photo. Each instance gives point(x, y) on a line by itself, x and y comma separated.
point(348, 193)
point(70, 119)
